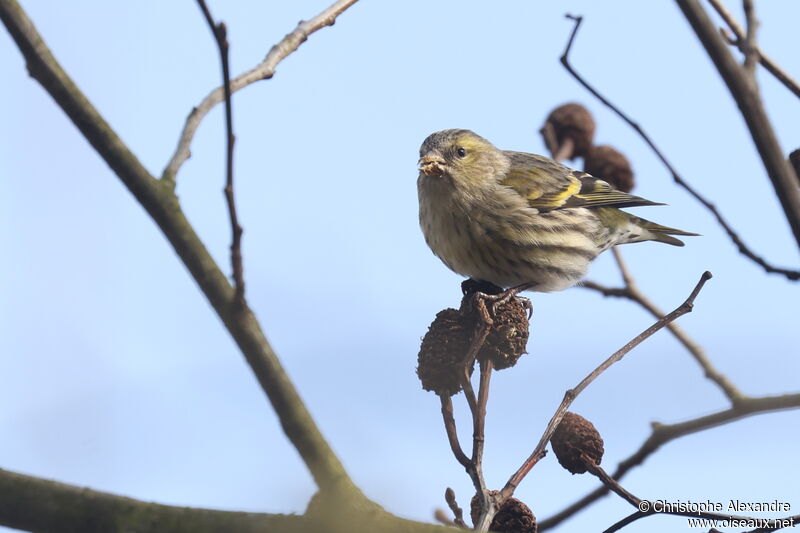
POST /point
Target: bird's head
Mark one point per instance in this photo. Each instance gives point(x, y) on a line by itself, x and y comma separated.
point(461, 156)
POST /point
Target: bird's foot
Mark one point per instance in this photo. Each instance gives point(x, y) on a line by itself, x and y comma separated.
point(471, 286)
point(484, 292)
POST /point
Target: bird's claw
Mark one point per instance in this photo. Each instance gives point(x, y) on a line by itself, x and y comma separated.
point(487, 312)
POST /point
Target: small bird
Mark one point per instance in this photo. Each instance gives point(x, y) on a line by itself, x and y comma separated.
point(516, 219)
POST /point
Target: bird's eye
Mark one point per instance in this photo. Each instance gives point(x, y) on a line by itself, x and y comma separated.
point(461, 152)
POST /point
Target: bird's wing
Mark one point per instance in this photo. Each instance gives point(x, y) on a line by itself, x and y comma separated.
point(549, 185)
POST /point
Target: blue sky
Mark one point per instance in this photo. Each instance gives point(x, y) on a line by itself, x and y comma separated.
point(116, 374)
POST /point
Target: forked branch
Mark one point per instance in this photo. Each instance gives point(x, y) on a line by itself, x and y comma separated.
point(738, 40)
point(571, 394)
point(742, 85)
point(664, 433)
point(263, 71)
point(732, 234)
point(631, 292)
point(160, 202)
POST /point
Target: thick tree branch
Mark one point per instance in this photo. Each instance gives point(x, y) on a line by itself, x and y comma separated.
point(742, 247)
point(743, 88)
point(262, 71)
point(162, 205)
point(664, 433)
point(35, 504)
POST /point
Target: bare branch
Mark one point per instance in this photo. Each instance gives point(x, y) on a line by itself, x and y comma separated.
point(571, 394)
point(744, 90)
point(634, 294)
point(489, 505)
point(631, 292)
point(475, 302)
point(664, 433)
point(627, 277)
point(35, 504)
point(650, 508)
point(450, 429)
point(624, 522)
point(220, 33)
point(749, 48)
point(159, 200)
point(738, 41)
point(477, 406)
point(619, 292)
point(610, 482)
point(742, 247)
point(263, 71)
point(728, 17)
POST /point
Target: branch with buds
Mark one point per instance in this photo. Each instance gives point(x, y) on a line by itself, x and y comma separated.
point(492, 328)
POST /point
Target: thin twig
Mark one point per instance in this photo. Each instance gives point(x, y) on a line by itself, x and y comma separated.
point(609, 482)
point(450, 428)
point(478, 407)
point(619, 292)
point(162, 205)
point(489, 506)
point(484, 323)
point(627, 277)
point(220, 33)
point(738, 40)
point(741, 246)
point(728, 17)
point(479, 427)
point(631, 292)
point(650, 508)
point(749, 48)
point(477, 403)
point(664, 433)
point(571, 394)
point(549, 135)
point(264, 70)
point(466, 384)
point(566, 150)
point(559, 152)
point(634, 294)
point(633, 517)
point(742, 86)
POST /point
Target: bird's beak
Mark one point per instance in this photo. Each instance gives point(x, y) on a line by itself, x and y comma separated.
point(431, 165)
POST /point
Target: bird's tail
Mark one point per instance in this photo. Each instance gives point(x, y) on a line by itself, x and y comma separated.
point(659, 233)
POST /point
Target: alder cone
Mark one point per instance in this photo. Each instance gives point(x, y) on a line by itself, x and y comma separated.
point(574, 440)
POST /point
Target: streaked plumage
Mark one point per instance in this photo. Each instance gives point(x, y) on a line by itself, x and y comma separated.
point(512, 218)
